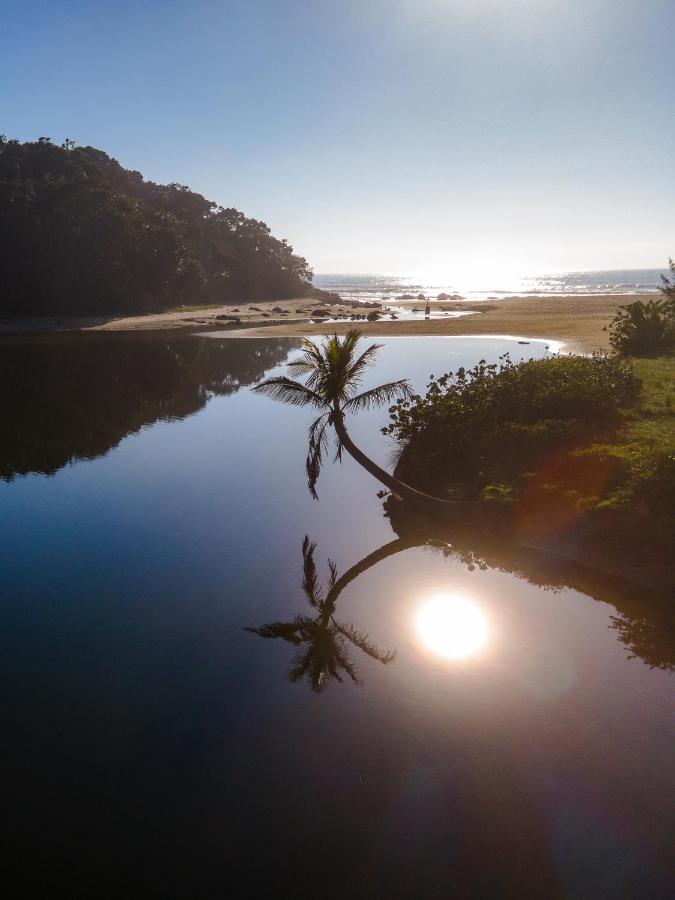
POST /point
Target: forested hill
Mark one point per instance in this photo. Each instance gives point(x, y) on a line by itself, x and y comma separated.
point(82, 236)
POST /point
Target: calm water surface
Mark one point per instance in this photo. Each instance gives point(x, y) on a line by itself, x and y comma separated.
point(519, 743)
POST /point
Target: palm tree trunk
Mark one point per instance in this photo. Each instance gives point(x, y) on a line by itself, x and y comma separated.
point(384, 552)
point(402, 490)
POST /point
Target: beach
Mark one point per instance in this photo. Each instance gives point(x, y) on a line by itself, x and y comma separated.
point(577, 321)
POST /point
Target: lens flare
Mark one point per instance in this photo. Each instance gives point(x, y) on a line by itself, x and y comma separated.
point(452, 626)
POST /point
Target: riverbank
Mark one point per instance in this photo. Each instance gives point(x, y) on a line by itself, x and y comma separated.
point(587, 475)
point(577, 321)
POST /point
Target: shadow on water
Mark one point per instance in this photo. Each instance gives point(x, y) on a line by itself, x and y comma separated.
point(77, 396)
point(644, 622)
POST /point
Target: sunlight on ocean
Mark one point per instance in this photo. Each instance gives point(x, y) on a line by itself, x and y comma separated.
point(390, 287)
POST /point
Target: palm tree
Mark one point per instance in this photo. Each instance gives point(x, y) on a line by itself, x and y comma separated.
point(322, 640)
point(334, 373)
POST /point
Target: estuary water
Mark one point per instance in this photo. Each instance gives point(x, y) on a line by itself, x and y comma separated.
point(457, 719)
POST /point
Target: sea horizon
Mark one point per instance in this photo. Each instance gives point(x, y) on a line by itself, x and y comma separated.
point(378, 286)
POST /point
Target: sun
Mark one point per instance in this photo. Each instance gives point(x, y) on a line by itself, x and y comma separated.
point(452, 626)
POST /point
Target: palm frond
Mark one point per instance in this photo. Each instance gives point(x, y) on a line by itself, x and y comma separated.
point(318, 444)
point(310, 578)
point(342, 659)
point(285, 390)
point(287, 631)
point(310, 349)
point(332, 568)
point(378, 396)
point(350, 341)
point(300, 367)
point(362, 641)
point(304, 664)
point(367, 358)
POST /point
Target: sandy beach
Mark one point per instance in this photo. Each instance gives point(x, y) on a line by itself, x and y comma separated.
point(576, 321)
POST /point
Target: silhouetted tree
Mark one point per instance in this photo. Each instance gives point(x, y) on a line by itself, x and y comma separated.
point(333, 373)
point(322, 640)
point(81, 235)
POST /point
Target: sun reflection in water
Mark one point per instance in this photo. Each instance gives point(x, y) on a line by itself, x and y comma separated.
point(452, 626)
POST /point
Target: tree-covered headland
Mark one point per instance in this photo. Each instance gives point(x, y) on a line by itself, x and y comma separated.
point(80, 235)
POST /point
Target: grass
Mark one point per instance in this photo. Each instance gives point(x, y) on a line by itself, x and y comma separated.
point(196, 308)
point(631, 508)
point(648, 429)
point(588, 458)
point(653, 424)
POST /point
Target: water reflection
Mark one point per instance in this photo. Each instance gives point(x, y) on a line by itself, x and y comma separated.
point(132, 689)
point(455, 627)
point(322, 640)
point(644, 621)
point(452, 626)
point(75, 396)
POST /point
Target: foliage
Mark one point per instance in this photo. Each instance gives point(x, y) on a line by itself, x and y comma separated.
point(581, 443)
point(668, 289)
point(643, 328)
point(646, 328)
point(333, 373)
point(492, 423)
point(81, 235)
point(648, 637)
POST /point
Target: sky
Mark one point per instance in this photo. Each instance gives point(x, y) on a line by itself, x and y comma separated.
point(412, 137)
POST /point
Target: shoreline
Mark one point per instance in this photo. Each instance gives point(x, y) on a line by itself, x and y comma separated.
point(576, 321)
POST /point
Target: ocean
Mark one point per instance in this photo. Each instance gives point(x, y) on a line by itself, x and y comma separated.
point(368, 288)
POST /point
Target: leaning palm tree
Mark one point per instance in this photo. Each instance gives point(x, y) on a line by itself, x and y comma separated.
point(322, 640)
point(333, 374)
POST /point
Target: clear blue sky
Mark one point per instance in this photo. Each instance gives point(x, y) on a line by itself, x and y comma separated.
point(399, 136)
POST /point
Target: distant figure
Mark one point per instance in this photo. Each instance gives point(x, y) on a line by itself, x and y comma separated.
point(427, 308)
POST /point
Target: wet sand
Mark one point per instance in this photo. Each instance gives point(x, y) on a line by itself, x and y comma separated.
point(577, 321)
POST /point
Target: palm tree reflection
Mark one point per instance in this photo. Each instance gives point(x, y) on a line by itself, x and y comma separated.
point(323, 641)
point(644, 625)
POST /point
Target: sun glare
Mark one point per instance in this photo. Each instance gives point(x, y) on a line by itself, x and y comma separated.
point(452, 626)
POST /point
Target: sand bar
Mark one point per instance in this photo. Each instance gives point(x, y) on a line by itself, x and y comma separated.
point(577, 321)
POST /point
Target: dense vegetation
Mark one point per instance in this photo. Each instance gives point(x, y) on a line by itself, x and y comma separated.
point(643, 328)
point(82, 236)
point(488, 424)
point(559, 444)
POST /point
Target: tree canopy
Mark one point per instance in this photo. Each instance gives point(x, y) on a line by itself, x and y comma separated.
point(80, 235)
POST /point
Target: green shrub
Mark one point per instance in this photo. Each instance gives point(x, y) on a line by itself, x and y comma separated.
point(493, 423)
point(643, 328)
point(646, 328)
point(668, 289)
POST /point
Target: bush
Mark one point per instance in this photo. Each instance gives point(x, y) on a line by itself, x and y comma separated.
point(668, 289)
point(492, 423)
point(644, 328)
